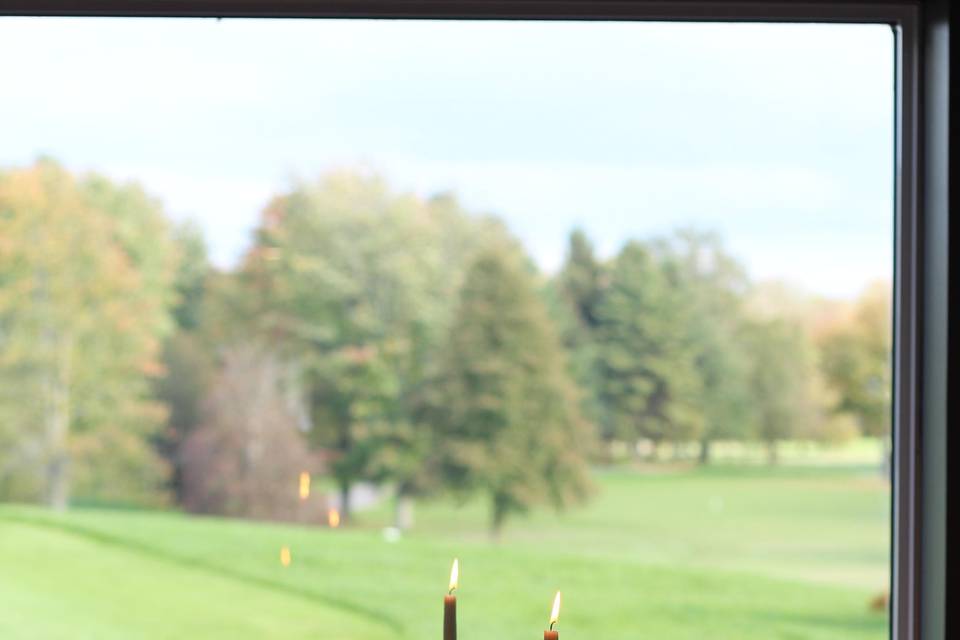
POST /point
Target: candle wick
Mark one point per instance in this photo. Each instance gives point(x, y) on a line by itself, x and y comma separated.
point(552, 622)
point(452, 589)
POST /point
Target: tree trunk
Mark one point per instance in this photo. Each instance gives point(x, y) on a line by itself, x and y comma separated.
point(676, 450)
point(705, 451)
point(58, 428)
point(499, 516)
point(773, 456)
point(344, 502)
point(58, 486)
point(655, 451)
point(403, 510)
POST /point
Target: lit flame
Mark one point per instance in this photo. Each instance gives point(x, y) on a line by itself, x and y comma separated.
point(555, 613)
point(285, 556)
point(454, 575)
point(304, 485)
point(333, 518)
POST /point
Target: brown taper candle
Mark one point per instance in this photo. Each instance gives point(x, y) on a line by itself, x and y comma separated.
point(450, 617)
point(450, 604)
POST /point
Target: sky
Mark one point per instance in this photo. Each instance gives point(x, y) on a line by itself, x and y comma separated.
point(778, 137)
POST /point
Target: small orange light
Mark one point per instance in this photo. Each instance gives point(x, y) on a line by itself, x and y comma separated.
point(304, 485)
point(333, 518)
point(285, 556)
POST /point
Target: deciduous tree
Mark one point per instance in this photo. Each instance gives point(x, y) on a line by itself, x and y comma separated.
point(354, 285)
point(856, 360)
point(85, 290)
point(782, 382)
point(245, 456)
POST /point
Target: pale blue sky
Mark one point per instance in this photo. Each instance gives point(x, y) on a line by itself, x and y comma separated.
point(777, 136)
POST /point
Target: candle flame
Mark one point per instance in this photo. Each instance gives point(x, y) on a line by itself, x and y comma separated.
point(304, 485)
point(333, 518)
point(455, 575)
point(555, 613)
point(285, 556)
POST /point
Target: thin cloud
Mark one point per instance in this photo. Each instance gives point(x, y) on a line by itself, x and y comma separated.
point(777, 136)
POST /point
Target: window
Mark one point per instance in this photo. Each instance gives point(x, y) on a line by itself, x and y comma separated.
point(354, 334)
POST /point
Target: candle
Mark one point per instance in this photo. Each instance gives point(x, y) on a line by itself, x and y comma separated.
point(450, 604)
point(551, 633)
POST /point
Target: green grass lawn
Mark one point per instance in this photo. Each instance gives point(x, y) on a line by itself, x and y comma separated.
point(722, 553)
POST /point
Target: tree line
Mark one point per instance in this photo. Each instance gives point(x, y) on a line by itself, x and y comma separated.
point(377, 336)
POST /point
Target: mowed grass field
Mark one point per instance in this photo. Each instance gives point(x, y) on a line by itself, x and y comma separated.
point(741, 553)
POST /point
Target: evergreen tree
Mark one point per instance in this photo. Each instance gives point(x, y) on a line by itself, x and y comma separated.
point(724, 374)
point(192, 276)
point(580, 290)
point(188, 354)
point(651, 385)
point(582, 280)
point(506, 408)
point(713, 283)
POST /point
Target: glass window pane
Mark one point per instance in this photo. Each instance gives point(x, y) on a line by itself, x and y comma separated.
point(293, 313)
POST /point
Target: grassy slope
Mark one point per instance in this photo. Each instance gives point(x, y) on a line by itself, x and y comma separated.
point(720, 554)
point(821, 525)
point(59, 585)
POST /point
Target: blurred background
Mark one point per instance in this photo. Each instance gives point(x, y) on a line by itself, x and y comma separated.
point(292, 313)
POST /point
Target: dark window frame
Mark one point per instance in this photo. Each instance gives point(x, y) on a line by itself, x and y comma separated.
point(926, 252)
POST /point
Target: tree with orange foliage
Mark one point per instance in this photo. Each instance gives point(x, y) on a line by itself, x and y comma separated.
point(856, 354)
point(85, 274)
